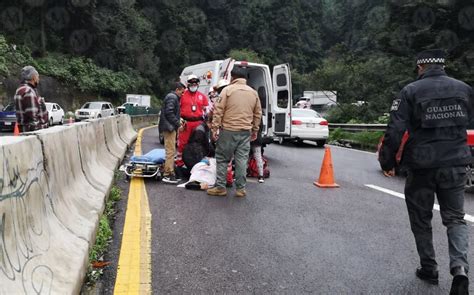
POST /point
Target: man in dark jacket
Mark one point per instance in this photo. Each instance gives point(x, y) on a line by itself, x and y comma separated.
point(435, 111)
point(168, 126)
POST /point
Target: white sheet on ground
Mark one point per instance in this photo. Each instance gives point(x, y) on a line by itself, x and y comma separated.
point(203, 173)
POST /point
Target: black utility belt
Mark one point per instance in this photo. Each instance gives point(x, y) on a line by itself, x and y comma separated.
point(191, 119)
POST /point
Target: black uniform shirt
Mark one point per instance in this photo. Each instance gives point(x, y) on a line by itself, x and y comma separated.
point(435, 111)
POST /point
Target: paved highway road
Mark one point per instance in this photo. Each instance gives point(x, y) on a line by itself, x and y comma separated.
point(6, 133)
point(288, 236)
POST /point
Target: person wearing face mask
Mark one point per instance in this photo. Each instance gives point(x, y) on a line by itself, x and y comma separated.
point(30, 114)
point(192, 108)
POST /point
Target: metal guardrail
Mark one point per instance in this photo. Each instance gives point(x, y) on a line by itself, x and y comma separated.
point(140, 110)
point(346, 127)
point(358, 127)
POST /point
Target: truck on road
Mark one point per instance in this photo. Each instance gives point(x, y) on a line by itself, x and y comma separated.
point(135, 100)
point(139, 99)
point(317, 100)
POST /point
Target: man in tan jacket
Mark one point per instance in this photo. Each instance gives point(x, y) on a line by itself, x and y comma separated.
point(235, 123)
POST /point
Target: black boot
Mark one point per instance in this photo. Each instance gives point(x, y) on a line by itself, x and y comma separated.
point(429, 276)
point(181, 172)
point(193, 185)
point(460, 283)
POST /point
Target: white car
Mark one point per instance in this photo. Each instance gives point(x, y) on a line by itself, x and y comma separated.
point(121, 109)
point(307, 124)
point(55, 113)
point(94, 110)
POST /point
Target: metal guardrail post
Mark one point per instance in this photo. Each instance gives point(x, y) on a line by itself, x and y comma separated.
point(358, 127)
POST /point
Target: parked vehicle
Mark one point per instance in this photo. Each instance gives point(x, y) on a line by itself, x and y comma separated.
point(318, 98)
point(303, 103)
point(55, 112)
point(139, 99)
point(8, 117)
point(122, 109)
point(307, 124)
point(274, 91)
point(94, 110)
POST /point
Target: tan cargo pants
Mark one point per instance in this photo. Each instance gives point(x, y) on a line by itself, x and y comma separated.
point(170, 149)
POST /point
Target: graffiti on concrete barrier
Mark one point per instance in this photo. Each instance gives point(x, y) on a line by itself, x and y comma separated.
point(24, 236)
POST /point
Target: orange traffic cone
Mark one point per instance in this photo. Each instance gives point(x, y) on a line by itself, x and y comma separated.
point(16, 130)
point(326, 176)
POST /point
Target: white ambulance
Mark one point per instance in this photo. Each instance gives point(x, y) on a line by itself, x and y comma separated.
point(274, 91)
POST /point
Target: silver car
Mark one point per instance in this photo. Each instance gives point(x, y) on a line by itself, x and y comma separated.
point(94, 110)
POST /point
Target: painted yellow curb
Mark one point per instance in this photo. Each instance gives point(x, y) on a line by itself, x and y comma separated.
point(134, 266)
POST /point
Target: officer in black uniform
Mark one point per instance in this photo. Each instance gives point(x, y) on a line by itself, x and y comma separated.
point(435, 111)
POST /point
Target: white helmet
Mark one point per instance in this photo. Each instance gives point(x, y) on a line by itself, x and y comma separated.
point(220, 84)
point(191, 78)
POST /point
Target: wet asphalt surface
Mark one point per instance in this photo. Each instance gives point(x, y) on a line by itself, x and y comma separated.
point(287, 236)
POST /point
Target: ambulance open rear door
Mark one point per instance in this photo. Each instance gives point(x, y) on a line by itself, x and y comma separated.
point(281, 102)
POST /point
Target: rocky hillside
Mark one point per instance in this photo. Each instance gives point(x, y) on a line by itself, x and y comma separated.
point(67, 80)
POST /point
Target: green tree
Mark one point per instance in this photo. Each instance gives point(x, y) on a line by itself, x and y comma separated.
point(246, 54)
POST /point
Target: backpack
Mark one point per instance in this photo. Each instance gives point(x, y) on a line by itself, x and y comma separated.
point(252, 169)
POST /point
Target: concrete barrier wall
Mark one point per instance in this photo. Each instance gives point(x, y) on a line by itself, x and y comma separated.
point(53, 186)
point(115, 144)
point(38, 252)
point(139, 122)
point(107, 158)
point(80, 203)
point(125, 128)
point(97, 173)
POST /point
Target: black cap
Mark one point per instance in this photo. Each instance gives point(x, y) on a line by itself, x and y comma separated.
point(431, 56)
point(179, 85)
point(239, 72)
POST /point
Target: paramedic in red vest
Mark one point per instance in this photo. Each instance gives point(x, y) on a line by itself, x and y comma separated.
point(192, 108)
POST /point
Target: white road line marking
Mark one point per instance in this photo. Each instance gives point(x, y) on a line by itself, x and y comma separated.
point(402, 196)
point(354, 150)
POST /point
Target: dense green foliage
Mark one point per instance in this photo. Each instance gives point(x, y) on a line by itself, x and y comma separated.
point(364, 139)
point(85, 75)
point(10, 57)
point(363, 49)
point(79, 72)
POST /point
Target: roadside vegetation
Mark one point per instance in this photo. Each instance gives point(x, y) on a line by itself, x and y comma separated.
point(366, 140)
point(103, 238)
point(80, 73)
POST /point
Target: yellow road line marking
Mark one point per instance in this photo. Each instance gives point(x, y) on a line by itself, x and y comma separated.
point(134, 266)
